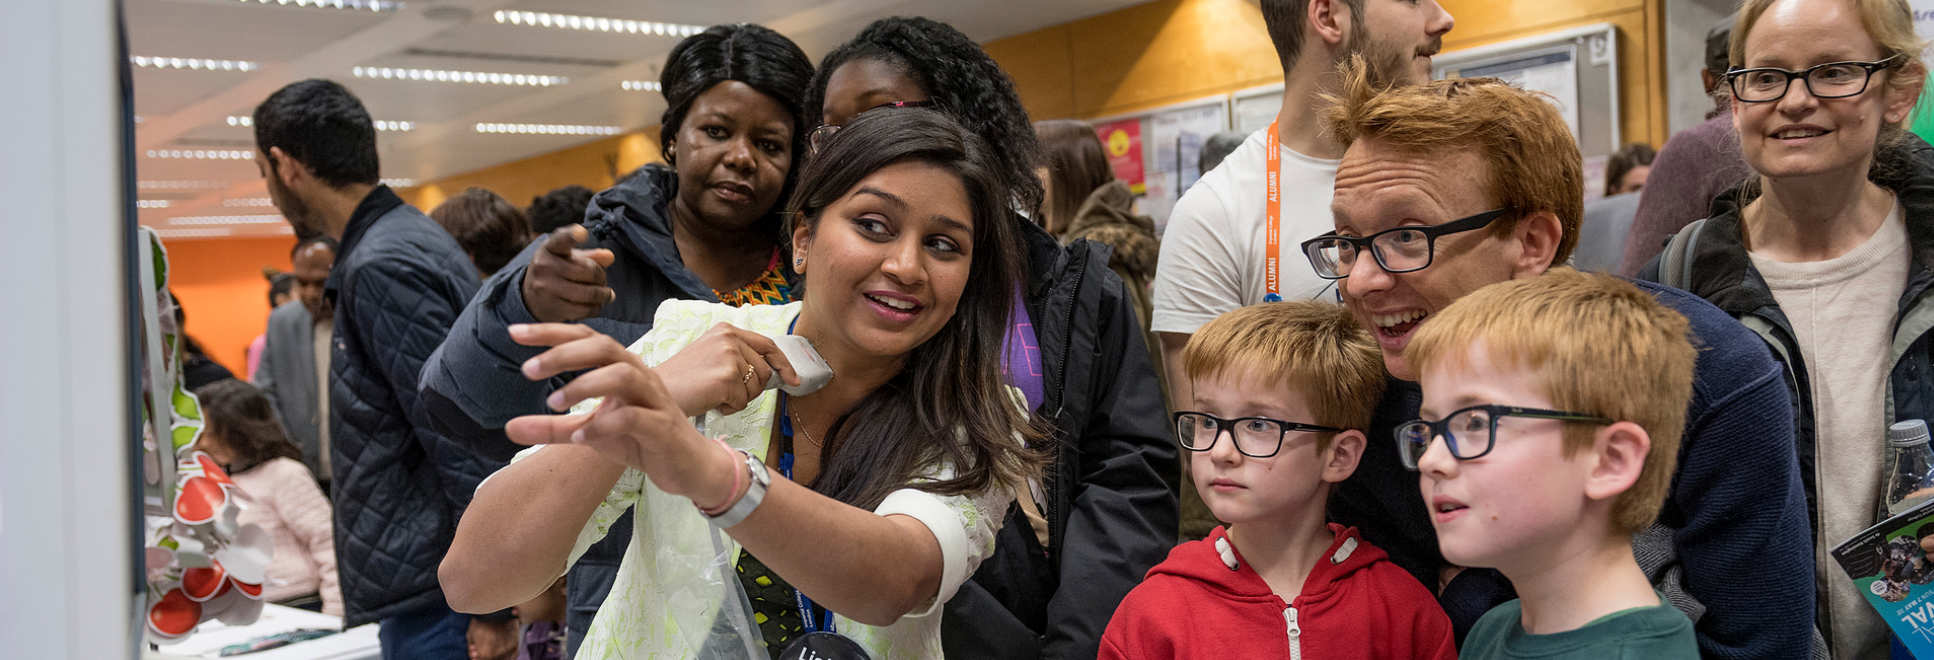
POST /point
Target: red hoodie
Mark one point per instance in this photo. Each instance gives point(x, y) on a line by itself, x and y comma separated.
point(1354, 604)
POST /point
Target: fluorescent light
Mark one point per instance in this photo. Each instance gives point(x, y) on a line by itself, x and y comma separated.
point(224, 220)
point(642, 86)
point(365, 5)
point(247, 201)
point(400, 183)
point(595, 23)
point(547, 129)
point(192, 233)
point(202, 154)
point(381, 124)
point(192, 63)
point(178, 184)
point(151, 203)
point(470, 77)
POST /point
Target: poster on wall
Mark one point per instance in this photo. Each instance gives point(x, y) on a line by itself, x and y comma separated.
point(1922, 123)
point(1552, 72)
point(1122, 140)
point(1174, 150)
point(1255, 108)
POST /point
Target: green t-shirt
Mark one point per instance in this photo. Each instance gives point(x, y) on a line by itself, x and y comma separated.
point(1644, 633)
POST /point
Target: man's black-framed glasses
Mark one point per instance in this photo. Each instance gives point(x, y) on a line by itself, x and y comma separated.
point(1833, 80)
point(1470, 433)
point(816, 140)
point(1398, 250)
point(1255, 437)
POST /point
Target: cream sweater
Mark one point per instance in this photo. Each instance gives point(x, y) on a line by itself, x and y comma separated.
point(285, 502)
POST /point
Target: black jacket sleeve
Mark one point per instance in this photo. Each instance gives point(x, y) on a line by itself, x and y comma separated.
point(472, 384)
point(1123, 518)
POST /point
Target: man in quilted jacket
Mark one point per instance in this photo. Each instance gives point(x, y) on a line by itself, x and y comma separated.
point(398, 283)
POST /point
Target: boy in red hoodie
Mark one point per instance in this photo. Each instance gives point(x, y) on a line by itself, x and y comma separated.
point(1281, 392)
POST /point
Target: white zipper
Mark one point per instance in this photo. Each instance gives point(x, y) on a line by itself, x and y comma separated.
point(1295, 633)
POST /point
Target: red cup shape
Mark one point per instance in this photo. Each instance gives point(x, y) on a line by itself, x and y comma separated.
point(174, 615)
point(201, 584)
point(212, 469)
point(199, 500)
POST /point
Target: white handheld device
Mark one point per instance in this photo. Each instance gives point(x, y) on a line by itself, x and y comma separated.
point(813, 371)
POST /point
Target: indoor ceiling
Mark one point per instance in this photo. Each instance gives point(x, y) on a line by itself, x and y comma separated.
point(201, 66)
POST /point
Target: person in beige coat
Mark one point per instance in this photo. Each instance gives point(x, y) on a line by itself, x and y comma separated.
point(280, 494)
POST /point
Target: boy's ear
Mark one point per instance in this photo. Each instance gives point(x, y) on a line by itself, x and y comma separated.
point(1618, 456)
point(1345, 450)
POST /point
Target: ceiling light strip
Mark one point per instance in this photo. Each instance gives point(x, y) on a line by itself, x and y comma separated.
point(381, 124)
point(151, 203)
point(466, 77)
point(546, 129)
point(400, 183)
point(642, 86)
point(178, 184)
point(192, 63)
point(596, 24)
point(202, 154)
point(362, 5)
point(224, 219)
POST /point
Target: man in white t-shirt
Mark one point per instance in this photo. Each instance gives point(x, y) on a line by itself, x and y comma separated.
point(1213, 255)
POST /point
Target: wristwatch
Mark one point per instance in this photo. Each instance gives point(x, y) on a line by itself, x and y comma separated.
point(754, 494)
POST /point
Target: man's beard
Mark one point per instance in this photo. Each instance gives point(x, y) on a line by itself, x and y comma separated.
point(300, 216)
point(1387, 65)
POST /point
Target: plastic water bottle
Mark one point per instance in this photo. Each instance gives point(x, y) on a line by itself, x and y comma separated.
point(1910, 467)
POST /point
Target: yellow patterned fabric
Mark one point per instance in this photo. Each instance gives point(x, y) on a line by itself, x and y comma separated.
point(770, 289)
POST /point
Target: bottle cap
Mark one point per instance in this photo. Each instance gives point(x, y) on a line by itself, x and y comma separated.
point(1907, 433)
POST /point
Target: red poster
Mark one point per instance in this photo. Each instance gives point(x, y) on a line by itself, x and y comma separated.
point(1122, 140)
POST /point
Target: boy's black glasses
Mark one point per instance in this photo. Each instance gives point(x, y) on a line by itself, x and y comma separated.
point(1256, 437)
point(1471, 432)
point(1398, 250)
point(1833, 80)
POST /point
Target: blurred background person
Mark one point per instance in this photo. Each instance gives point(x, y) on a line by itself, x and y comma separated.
point(1627, 169)
point(280, 284)
point(490, 230)
point(1694, 166)
point(197, 369)
point(557, 208)
point(294, 373)
point(1216, 148)
point(243, 435)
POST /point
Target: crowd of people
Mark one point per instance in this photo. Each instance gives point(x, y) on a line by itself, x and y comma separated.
point(1364, 396)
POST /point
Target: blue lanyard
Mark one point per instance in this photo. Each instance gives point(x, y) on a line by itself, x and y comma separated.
point(807, 610)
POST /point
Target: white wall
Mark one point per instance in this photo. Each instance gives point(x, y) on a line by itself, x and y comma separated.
point(1686, 22)
point(66, 527)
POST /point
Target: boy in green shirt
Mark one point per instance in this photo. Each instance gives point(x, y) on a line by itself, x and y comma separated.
point(1551, 419)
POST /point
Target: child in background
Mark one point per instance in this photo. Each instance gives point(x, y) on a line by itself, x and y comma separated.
point(244, 436)
point(542, 621)
point(1552, 413)
point(1281, 393)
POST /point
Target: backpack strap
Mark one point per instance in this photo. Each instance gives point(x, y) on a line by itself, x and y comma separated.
point(1675, 263)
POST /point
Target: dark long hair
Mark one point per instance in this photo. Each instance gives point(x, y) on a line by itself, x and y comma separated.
point(746, 52)
point(1076, 167)
point(247, 422)
point(950, 401)
point(960, 79)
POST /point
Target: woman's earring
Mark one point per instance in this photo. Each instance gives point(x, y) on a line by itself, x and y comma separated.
point(798, 264)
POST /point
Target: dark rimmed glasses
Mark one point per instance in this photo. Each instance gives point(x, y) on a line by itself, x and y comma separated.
point(1255, 437)
point(817, 139)
point(1398, 250)
point(1470, 433)
point(1833, 80)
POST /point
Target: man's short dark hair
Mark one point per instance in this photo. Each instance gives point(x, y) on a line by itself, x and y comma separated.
point(1718, 42)
point(490, 230)
point(557, 208)
point(1285, 19)
point(323, 126)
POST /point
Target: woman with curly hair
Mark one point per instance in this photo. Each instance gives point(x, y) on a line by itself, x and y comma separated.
point(704, 227)
point(1105, 512)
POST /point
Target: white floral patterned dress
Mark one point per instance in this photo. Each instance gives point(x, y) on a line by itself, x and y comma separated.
point(667, 594)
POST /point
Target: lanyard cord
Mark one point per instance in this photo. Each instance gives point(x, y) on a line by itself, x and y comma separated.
point(807, 610)
point(1273, 210)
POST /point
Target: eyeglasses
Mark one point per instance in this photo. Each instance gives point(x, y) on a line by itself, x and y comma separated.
point(1833, 80)
point(1256, 437)
point(817, 139)
point(1399, 250)
point(1471, 432)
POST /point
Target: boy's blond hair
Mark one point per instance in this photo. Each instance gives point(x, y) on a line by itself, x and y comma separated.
point(1595, 344)
point(1317, 348)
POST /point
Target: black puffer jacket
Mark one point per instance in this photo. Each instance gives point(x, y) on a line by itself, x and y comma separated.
point(472, 385)
point(1111, 491)
point(399, 487)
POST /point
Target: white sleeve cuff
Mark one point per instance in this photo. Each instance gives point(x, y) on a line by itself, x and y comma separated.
point(948, 528)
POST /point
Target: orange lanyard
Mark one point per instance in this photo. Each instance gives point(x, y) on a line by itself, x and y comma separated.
point(1273, 210)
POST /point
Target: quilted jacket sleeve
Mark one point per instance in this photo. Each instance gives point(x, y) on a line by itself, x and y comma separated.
point(407, 306)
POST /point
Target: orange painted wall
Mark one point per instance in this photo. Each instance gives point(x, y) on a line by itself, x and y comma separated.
point(220, 285)
point(595, 165)
point(1171, 51)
